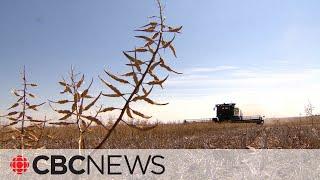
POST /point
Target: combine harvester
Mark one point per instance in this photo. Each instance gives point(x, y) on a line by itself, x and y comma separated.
point(229, 112)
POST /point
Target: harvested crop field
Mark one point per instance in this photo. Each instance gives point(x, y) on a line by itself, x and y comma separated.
point(276, 134)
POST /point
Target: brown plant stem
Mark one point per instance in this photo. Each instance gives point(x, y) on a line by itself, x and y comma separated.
point(99, 146)
point(24, 106)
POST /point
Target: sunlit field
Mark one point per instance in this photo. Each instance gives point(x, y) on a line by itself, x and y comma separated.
point(274, 134)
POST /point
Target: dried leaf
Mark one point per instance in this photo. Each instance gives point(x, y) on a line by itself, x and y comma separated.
point(63, 111)
point(76, 97)
point(62, 83)
point(80, 82)
point(140, 114)
point(154, 76)
point(139, 50)
point(148, 100)
point(155, 35)
point(108, 109)
point(84, 93)
point(67, 89)
point(20, 99)
point(12, 119)
point(33, 85)
point(128, 111)
point(113, 95)
point(135, 79)
point(13, 106)
point(153, 23)
point(12, 113)
point(173, 50)
point(151, 50)
point(145, 38)
point(97, 121)
point(132, 59)
point(154, 65)
point(11, 124)
point(74, 107)
point(175, 29)
point(158, 82)
point(134, 62)
point(116, 78)
point(92, 103)
point(88, 96)
point(16, 94)
point(166, 44)
point(144, 90)
point(146, 93)
point(66, 116)
point(20, 115)
point(135, 65)
point(31, 95)
point(148, 44)
point(37, 121)
point(128, 74)
point(35, 106)
point(63, 102)
point(149, 29)
point(114, 89)
point(162, 64)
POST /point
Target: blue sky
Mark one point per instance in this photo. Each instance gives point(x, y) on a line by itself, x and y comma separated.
point(262, 55)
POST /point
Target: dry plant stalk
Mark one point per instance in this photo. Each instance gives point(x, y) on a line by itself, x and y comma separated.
point(28, 136)
point(142, 77)
point(309, 111)
point(77, 104)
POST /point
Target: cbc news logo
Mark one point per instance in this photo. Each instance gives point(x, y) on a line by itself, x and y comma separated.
point(102, 164)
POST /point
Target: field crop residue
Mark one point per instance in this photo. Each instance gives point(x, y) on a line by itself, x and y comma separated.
point(300, 133)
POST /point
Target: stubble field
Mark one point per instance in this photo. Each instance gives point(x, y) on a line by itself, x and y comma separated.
point(298, 133)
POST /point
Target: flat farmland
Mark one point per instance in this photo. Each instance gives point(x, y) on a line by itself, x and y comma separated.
point(284, 133)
